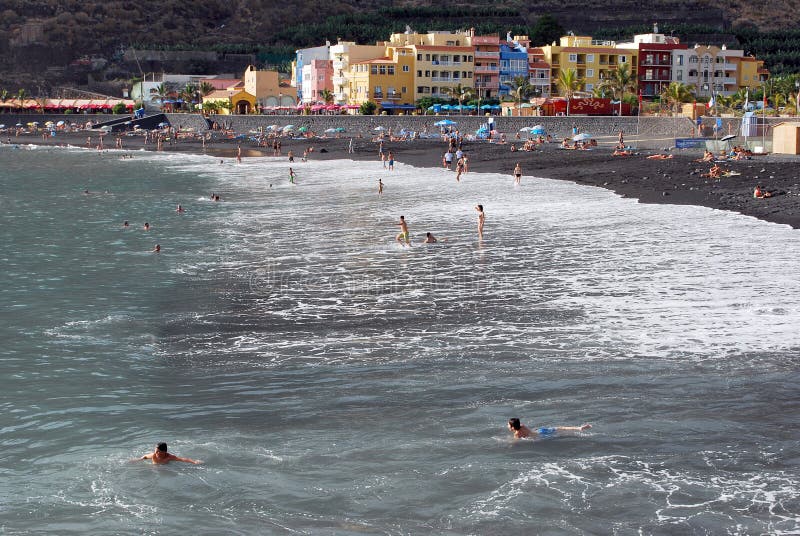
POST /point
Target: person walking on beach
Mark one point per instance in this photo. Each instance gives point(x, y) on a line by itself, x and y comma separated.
point(520, 430)
point(291, 176)
point(160, 456)
point(481, 220)
point(350, 146)
point(517, 174)
point(459, 168)
point(380, 187)
point(403, 236)
point(448, 159)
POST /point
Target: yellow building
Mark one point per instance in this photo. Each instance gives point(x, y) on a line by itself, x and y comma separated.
point(343, 54)
point(232, 101)
point(443, 62)
point(387, 81)
point(592, 60)
point(264, 85)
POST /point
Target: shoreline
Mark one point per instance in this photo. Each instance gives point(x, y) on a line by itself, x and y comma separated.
point(671, 181)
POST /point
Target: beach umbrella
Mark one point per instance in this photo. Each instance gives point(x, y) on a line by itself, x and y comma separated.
point(444, 123)
point(288, 128)
point(302, 129)
point(538, 129)
point(163, 124)
point(60, 124)
point(330, 130)
point(379, 129)
point(525, 129)
point(340, 129)
point(18, 124)
point(2, 126)
point(582, 137)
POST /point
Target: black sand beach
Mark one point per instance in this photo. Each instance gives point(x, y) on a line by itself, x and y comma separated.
point(674, 181)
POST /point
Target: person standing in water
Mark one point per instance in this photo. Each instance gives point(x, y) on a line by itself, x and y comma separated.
point(291, 175)
point(380, 187)
point(403, 237)
point(517, 173)
point(481, 220)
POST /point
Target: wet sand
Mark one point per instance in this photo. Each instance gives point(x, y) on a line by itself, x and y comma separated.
point(673, 181)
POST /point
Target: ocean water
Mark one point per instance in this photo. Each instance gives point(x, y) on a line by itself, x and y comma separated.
point(335, 382)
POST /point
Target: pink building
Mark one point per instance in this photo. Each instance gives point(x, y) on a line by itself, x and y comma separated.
point(317, 77)
point(487, 65)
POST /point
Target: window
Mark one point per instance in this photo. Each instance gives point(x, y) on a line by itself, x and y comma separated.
point(589, 73)
point(589, 87)
point(403, 89)
point(419, 57)
point(378, 90)
point(390, 91)
point(648, 74)
point(390, 69)
point(623, 59)
point(679, 75)
point(679, 60)
point(382, 69)
point(427, 73)
point(427, 57)
point(573, 58)
point(469, 75)
point(374, 69)
point(589, 58)
point(406, 69)
point(419, 73)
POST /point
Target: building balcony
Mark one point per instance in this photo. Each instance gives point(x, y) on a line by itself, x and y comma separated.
point(657, 63)
point(490, 55)
point(487, 85)
point(447, 80)
point(486, 69)
point(446, 63)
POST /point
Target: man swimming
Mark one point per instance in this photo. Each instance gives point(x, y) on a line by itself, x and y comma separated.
point(161, 456)
point(520, 430)
point(429, 238)
point(403, 235)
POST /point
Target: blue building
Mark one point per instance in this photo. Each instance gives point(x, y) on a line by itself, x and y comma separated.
point(513, 63)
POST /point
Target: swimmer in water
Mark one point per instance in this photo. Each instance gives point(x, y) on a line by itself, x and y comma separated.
point(146, 226)
point(125, 224)
point(157, 249)
point(180, 210)
point(429, 239)
point(160, 455)
point(520, 430)
point(481, 220)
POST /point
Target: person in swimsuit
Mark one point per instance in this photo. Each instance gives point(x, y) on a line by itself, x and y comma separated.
point(291, 175)
point(160, 455)
point(429, 238)
point(481, 220)
point(391, 161)
point(380, 187)
point(520, 430)
point(517, 173)
point(403, 237)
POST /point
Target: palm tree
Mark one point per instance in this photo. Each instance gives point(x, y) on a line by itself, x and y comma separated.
point(569, 83)
point(4, 95)
point(677, 93)
point(520, 89)
point(326, 95)
point(21, 94)
point(460, 93)
point(206, 89)
point(618, 82)
point(188, 93)
point(162, 90)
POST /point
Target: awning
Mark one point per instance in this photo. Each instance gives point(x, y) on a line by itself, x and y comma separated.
point(393, 106)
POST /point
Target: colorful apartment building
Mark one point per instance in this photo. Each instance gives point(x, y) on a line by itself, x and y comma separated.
point(538, 68)
point(387, 81)
point(713, 70)
point(487, 65)
point(342, 54)
point(444, 61)
point(317, 79)
point(264, 85)
point(592, 60)
point(306, 56)
point(513, 64)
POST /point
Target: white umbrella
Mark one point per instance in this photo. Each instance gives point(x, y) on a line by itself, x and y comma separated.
point(60, 124)
point(287, 128)
point(2, 126)
point(273, 127)
point(330, 130)
point(379, 129)
point(582, 137)
point(525, 129)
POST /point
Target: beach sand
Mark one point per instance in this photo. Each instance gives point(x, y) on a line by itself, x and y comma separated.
point(673, 181)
